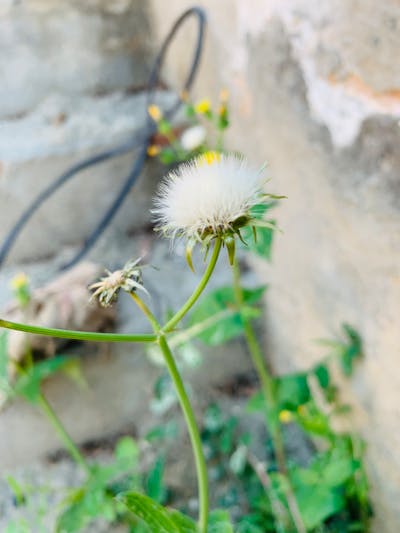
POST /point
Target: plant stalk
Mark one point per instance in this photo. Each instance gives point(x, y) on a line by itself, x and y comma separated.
point(62, 433)
point(78, 335)
point(268, 389)
point(201, 467)
point(170, 325)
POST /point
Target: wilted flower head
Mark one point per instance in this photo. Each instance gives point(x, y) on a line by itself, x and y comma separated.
point(214, 195)
point(128, 279)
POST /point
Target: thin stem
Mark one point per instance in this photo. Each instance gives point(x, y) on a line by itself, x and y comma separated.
point(78, 335)
point(169, 326)
point(267, 385)
point(146, 311)
point(201, 467)
point(66, 439)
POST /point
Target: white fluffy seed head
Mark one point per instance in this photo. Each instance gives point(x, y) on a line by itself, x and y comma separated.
point(207, 195)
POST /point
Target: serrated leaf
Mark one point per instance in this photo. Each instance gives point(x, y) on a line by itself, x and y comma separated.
point(154, 515)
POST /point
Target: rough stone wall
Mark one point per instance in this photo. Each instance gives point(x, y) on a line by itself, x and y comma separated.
point(71, 74)
point(315, 91)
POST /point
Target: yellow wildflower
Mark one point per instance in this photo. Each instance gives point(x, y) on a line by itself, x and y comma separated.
point(209, 158)
point(203, 107)
point(155, 112)
point(153, 150)
point(19, 281)
point(285, 416)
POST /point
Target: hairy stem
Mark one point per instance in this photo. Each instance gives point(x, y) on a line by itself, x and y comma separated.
point(78, 335)
point(268, 389)
point(169, 326)
point(62, 433)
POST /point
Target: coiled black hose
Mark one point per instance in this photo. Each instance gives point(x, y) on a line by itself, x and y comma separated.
point(140, 141)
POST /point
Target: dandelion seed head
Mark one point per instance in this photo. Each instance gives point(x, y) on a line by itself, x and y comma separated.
point(209, 195)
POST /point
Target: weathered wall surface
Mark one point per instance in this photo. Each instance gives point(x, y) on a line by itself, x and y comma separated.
point(70, 73)
point(315, 90)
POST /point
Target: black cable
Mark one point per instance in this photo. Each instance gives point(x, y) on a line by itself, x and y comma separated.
point(141, 140)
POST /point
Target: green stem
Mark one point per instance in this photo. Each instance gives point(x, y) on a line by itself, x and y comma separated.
point(66, 439)
point(188, 413)
point(201, 467)
point(169, 326)
point(267, 386)
point(78, 335)
point(146, 311)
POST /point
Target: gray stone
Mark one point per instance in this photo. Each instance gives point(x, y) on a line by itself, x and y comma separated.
point(37, 148)
point(69, 47)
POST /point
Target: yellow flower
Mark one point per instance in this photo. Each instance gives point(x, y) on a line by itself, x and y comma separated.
point(153, 150)
point(203, 107)
point(155, 112)
point(285, 416)
point(19, 281)
point(208, 158)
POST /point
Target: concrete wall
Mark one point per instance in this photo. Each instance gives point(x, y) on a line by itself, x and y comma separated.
point(71, 74)
point(315, 91)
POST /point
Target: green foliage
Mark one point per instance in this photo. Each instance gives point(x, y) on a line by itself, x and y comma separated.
point(227, 323)
point(156, 517)
point(347, 351)
point(96, 497)
point(260, 240)
point(220, 522)
point(29, 381)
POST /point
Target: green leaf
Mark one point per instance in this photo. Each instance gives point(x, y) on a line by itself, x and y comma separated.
point(229, 326)
point(321, 372)
point(259, 243)
point(155, 482)
point(84, 505)
point(219, 522)
point(184, 523)
point(317, 503)
point(238, 460)
point(352, 350)
point(127, 450)
point(256, 403)
point(154, 515)
point(28, 384)
point(292, 391)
